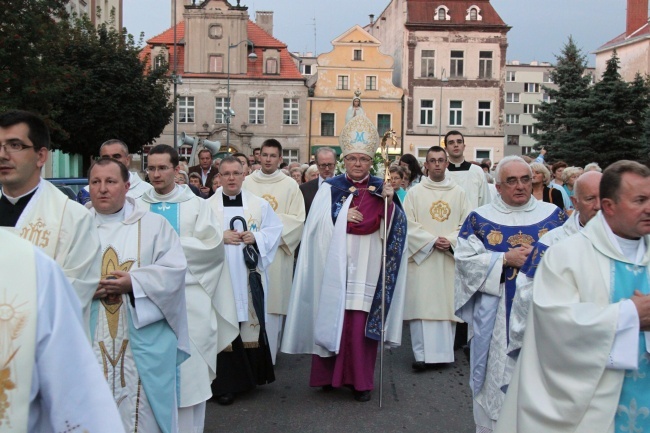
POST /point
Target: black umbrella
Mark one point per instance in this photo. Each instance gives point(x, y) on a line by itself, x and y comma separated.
point(251, 257)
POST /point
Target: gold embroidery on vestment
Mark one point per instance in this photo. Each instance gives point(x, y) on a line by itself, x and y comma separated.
point(520, 239)
point(495, 237)
point(541, 233)
point(272, 201)
point(114, 361)
point(37, 233)
point(440, 210)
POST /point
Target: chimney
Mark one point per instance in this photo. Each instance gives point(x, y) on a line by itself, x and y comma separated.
point(637, 15)
point(264, 19)
point(372, 19)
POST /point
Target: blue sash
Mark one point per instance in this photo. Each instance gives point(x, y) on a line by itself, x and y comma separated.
point(171, 212)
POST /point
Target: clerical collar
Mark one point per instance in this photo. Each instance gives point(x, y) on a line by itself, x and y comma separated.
point(14, 200)
point(463, 166)
point(232, 200)
point(632, 249)
point(364, 180)
point(165, 197)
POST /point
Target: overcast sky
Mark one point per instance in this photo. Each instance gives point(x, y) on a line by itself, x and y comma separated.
point(539, 27)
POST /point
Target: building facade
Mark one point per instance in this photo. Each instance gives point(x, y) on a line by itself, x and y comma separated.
point(355, 67)
point(103, 15)
point(632, 46)
point(450, 58)
point(268, 97)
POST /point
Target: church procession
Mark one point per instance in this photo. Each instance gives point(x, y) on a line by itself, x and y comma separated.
point(180, 282)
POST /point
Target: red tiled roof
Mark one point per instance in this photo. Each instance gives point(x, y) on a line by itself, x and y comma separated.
point(261, 40)
point(423, 11)
point(643, 31)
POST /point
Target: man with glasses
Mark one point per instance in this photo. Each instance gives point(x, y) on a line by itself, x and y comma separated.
point(119, 151)
point(469, 176)
point(37, 211)
point(493, 244)
point(247, 361)
point(285, 198)
point(326, 163)
point(335, 307)
point(436, 209)
point(205, 170)
point(211, 310)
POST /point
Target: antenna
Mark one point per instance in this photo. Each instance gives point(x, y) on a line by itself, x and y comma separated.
point(315, 50)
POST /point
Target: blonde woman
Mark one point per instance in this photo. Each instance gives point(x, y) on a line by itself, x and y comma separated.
point(541, 178)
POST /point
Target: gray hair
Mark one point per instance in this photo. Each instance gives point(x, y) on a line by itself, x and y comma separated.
point(311, 170)
point(115, 141)
point(324, 150)
point(593, 166)
point(570, 171)
point(507, 161)
point(537, 166)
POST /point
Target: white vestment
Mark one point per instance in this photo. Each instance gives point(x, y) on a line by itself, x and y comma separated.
point(66, 387)
point(324, 245)
point(137, 186)
point(146, 246)
point(566, 378)
point(474, 183)
point(65, 231)
point(433, 209)
point(211, 313)
point(481, 296)
point(267, 229)
point(285, 197)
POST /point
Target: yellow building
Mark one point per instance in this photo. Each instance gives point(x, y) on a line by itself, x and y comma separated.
point(355, 66)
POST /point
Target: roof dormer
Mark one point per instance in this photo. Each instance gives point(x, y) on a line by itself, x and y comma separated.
point(442, 14)
point(473, 14)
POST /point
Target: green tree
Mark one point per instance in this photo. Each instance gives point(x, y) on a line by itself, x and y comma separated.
point(559, 121)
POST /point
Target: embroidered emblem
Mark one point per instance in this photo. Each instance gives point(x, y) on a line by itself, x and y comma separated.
point(440, 210)
point(164, 206)
point(36, 233)
point(520, 239)
point(371, 188)
point(633, 414)
point(253, 224)
point(110, 263)
point(495, 237)
point(352, 189)
point(541, 233)
point(272, 201)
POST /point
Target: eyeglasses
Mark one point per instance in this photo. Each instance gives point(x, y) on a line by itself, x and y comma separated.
point(437, 161)
point(14, 146)
point(117, 156)
point(362, 160)
point(234, 174)
point(324, 166)
point(512, 181)
point(452, 142)
point(162, 169)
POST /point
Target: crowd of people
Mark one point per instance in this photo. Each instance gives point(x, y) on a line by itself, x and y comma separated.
point(185, 286)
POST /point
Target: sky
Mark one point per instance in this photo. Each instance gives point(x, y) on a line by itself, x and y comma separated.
point(540, 28)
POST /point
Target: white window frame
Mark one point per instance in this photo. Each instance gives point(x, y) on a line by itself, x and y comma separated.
point(528, 129)
point(429, 112)
point(456, 114)
point(371, 82)
point(290, 112)
point(532, 88)
point(342, 82)
point(186, 109)
point(290, 155)
point(530, 108)
point(220, 104)
point(512, 97)
point(427, 64)
point(454, 63)
point(483, 114)
point(485, 65)
point(354, 55)
point(214, 57)
point(477, 158)
point(512, 119)
point(333, 125)
point(256, 108)
point(511, 76)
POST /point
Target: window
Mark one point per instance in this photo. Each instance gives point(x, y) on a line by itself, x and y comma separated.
point(159, 61)
point(530, 108)
point(290, 111)
point(525, 150)
point(371, 82)
point(482, 154)
point(220, 106)
point(327, 124)
point(528, 129)
point(343, 82)
point(290, 155)
point(547, 77)
point(383, 123)
point(271, 66)
point(428, 66)
point(426, 112)
point(186, 109)
point(512, 119)
point(256, 111)
point(513, 140)
point(485, 64)
point(456, 66)
point(512, 97)
point(306, 69)
point(442, 14)
point(546, 97)
point(357, 55)
point(511, 76)
point(531, 87)
point(473, 14)
point(484, 111)
point(215, 64)
point(455, 113)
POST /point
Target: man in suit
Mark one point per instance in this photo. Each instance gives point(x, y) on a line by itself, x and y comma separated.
point(326, 163)
point(205, 170)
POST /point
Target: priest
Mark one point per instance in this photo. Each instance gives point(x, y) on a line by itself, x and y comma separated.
point(284, 196)
point(138, 320)
point(247, 362)
point(435, 209)
point(38, 211)
point(211, 313)
point(583, 366)
point(492, 246)
point(335, 307)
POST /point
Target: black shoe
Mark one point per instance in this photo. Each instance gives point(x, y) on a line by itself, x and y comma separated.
point(226, 399)
point(327, 388)
point(362, 396)
point(419, 366)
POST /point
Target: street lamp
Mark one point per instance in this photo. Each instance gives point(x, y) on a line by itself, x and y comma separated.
point(228, 112)
point(443, 79)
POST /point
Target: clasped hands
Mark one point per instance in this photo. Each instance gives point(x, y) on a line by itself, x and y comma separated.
point(117, 284)
point(233, 237)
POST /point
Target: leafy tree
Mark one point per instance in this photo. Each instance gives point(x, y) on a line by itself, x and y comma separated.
point(558, 121)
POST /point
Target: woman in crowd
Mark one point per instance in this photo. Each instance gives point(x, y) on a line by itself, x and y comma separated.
point(409, 161)
point(541, 177)
point(396, 179)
